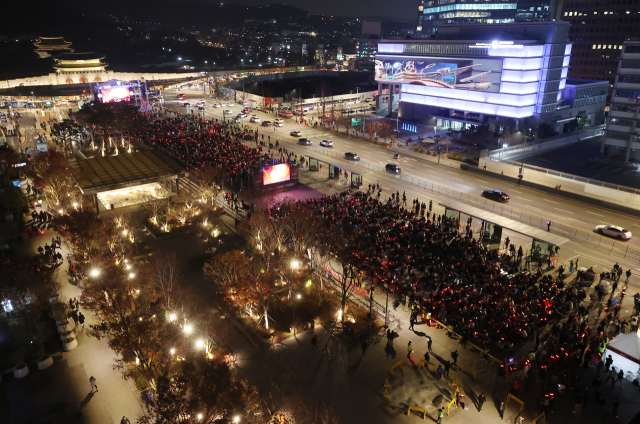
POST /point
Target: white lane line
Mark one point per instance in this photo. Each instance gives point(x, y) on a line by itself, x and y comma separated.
point(580, 244)
point(531, 207)
point(633, 170)
point(563, 210)
point(593, 213)
point(515, 190)
point(459, 179)
point(526, 200)
point(485, 186)
point(550, 201)
point(571, 219)
point(486, 182)
point(464, 186)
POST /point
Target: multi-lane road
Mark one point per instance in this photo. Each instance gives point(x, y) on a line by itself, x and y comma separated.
point(574, 215)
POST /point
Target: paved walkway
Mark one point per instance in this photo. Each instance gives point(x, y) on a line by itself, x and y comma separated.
point(62, 393)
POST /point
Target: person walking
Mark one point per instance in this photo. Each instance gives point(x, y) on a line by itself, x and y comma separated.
point(412, 322)
point(548, 225)
point(364, 347)
point(439, 372)
point(628, 273)
point(429, 341)
point(454, 356)
point(481, 400)
point(325, 351)
point(94, 386)
point(409, 350)
point(447, 367)
point(314, 342)
point(125, 420)
point(81, 319)
point(577, 404)
point(620, 377)
point(441, 412)
point(501, 409)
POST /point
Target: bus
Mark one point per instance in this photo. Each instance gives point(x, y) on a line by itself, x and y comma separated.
point(285, 113)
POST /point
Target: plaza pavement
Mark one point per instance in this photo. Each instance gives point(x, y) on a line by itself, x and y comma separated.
point(61, 393)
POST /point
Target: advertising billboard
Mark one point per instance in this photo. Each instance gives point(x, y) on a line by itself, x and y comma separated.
point(483, 75)
point(276, 174)
point(115, 94)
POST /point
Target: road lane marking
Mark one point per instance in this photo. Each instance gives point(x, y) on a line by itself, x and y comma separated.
point(459, 179)
point(571, 219)
point(486, 182)
point(632, 170)
point(593, 213)
point(550, 201)
point(564, 211)
point(516, 191)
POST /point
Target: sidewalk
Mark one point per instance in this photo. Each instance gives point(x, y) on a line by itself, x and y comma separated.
point(61, 393)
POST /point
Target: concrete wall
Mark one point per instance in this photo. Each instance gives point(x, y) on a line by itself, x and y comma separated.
point(626, 197)
point(77, 78)
point(518, 152)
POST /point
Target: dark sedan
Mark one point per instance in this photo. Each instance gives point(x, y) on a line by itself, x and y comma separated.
point(497, 195)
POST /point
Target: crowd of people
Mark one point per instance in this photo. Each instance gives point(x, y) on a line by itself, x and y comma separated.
point(445, 273)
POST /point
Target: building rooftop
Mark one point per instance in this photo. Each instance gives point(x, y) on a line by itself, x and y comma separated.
point(80, 56)
point(126, 170)
point(52, 41)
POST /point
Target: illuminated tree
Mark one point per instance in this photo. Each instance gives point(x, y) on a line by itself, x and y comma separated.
point(55, 176)
point(205, 391)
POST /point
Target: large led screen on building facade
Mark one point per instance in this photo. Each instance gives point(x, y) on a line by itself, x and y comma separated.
point(469, 74)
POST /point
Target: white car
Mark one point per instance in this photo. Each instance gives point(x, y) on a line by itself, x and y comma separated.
point(326, 143)
point(230, 105)
point(241, 115)
point(613, 231)
point(217, 105)
point(255, 119)
point(228, 112)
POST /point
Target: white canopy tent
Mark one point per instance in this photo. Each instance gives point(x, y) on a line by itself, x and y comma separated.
point(625, 352)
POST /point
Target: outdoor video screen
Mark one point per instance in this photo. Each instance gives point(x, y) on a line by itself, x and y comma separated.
point(115, 94)
point(276, 174)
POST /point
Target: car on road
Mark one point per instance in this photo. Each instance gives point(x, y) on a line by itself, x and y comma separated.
point(241, 115)
point(200, 107)
point(228, 112)
point(247, 110)
point(201, 103)
point(295, 133)
point(266, 123)
point(255, 119)
point(217, 105)
point(497, 195)
point(278, 123)
point(613, 231)
point(326, 143)
point(393, 168)
point(305, 142)
point(351, 156)
point(230, 105)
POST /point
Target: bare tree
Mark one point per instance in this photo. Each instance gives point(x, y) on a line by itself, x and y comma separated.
point(166, 275)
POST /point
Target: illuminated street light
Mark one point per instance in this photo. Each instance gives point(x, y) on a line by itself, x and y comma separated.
point(172, 317)
point(236, 419)
point(200, 344)
point(299, 296)
point(295, 264)
point(95, 272)
point(172, 351)
point(131, 275)
point(199, 416)
point(188, 328)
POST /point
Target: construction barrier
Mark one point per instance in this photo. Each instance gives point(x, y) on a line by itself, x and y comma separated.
point(452, 403)
point(422, 362)
point(399, 364)
point(541, 416)
point(468, 346)
point(510, 396)
point(468, 369)
point(415, 408)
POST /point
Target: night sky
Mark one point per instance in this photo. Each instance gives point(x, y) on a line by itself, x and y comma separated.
point(401, 9)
